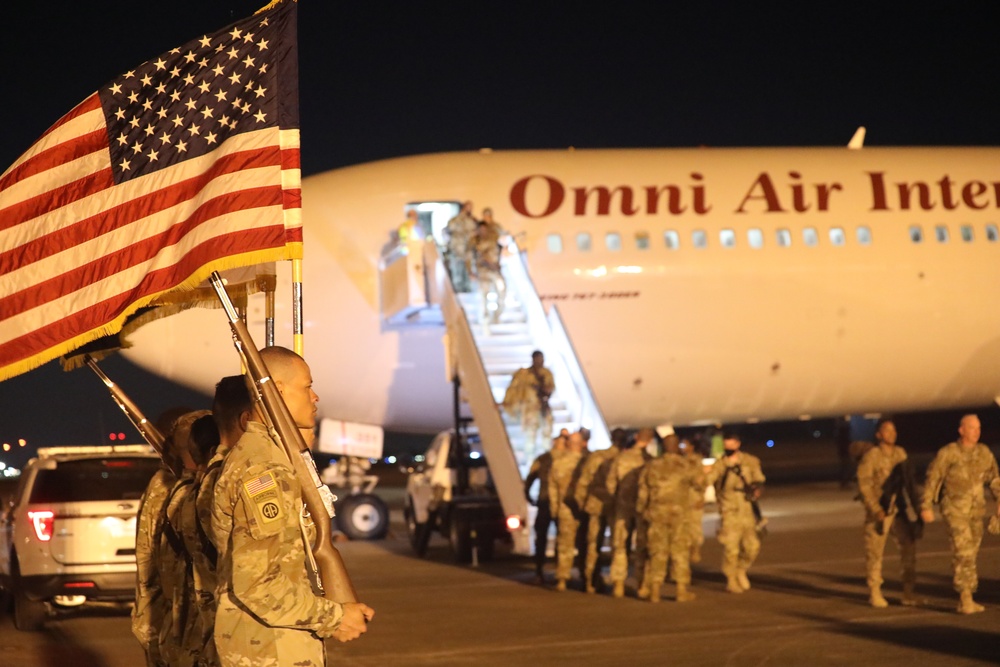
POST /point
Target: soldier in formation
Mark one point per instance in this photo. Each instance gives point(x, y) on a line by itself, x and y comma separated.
point(562, 480)
point(623, 485)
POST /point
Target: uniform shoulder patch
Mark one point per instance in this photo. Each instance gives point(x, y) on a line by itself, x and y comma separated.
point(262, 492)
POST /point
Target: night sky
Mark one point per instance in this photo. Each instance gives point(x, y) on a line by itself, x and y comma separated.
point(385, 79)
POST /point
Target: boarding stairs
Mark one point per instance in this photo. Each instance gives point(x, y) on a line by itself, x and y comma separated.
point(484, 355)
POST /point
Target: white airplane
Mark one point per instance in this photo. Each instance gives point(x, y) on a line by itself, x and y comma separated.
point(697, 285)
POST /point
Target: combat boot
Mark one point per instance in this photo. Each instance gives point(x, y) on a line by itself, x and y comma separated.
point(643, 592)
point(683, 594)
point(619, 591)
point(742, 579)
point(967, 605)
point(590, 588)
point(561, 585)
point(876, 599)
point(733, 586)
point(654, 593)
point(910, 597)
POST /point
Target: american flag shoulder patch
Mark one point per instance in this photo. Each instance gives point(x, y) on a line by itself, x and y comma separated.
point(260, 484)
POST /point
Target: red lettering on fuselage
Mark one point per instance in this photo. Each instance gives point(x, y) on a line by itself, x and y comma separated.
point(924, 196)
point(600, 200)
point(763, 191)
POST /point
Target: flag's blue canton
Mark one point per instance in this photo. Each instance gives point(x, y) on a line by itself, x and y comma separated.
point(191, 99)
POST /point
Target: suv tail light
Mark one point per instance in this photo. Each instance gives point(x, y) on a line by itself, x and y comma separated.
point(42, 522)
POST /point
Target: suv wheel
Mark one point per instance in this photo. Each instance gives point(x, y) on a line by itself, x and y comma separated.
point(29, 615)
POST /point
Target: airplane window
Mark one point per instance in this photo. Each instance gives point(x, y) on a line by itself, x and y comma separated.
point(864, 235)
point(967, 233)
point(554, 242)
point(941, 234)
point(809, 236)
point(642, 240)
point(991, 233)
point(836, 236)
point(784, 238)
point(699, 239)
point(727, 238)
point(583, 241)
point(755, 238)
point(672, 240)
point(916, 233)
point(613, 241)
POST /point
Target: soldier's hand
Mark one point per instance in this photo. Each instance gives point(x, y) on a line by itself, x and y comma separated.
point(927, 516)
point(880, 515)
point(354, 622)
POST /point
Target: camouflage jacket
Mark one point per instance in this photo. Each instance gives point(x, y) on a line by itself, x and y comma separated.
point(151, 608)
point(665, 487)
point(182, 636)
point(540, 469)
point(460, 231)
point(874, 469)
point(957, 476)
point(591, 489)
point(623, 479)
point(564, 465)
point(266, 605)
point(730, 488)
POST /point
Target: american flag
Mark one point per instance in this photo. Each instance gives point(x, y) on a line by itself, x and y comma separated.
point(260, 484)
point(182, 166)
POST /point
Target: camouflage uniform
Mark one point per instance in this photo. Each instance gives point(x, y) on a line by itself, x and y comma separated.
point(623, 486)
point(486, 243)
point(593, 499)
point(182, 639)
point(738, 530)
point(522, 398)
point(956, 476)
point(696, 509)
point(460, 230)
point(665, 488)
point(540, 469)
point(267, 612)
point(151, 607)
point(875, 468)
point(561, 477)
point(206, 559)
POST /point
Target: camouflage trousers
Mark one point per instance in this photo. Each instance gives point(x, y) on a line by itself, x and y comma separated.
point(597, 526)
point(622, 531)
point(695, 530)
point(966, 534)
point(531, 422)
point(668, 541)
point(566, 542)
point(458, 266)
point(491, 283)
point(740, 544)
point(902, 533)
point(242, 640)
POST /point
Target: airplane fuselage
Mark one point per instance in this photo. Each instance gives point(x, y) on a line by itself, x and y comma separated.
point(697, 285)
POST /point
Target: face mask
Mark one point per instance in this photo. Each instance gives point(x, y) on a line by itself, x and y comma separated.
point(730, 452)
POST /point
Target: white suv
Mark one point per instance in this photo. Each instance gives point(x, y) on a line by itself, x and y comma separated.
point(68, 534)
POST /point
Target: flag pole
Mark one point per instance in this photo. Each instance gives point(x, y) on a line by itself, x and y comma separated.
point(298, 344)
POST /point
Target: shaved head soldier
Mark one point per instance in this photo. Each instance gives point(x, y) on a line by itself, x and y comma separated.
point(267, 610)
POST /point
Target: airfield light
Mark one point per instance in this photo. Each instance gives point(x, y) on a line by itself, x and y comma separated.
point(816, 434)
point(390, 459)
point(6, 447)
point(770, 443)
point(22, 442)
point(112, 437)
